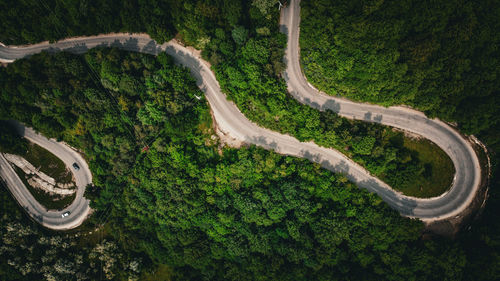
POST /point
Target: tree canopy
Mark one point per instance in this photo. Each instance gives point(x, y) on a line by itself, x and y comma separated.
point(440, 57)
point(204, 210)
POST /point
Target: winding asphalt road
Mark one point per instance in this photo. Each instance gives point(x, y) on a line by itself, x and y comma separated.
point(467, 168)
point(79, 208)
point(231, 121)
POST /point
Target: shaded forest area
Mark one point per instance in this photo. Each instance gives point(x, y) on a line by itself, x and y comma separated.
point(237, 214)
point(227, 233)
point(10, 141)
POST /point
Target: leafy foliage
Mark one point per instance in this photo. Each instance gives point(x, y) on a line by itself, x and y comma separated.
point(35, 21)
point(249, 72)
point(206, 211)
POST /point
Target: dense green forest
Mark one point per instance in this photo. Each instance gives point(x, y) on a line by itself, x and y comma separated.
point(441, 57)
point(256, 215)
point(27, 21)
point(206, 211)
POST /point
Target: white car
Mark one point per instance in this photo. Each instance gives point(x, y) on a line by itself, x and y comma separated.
point(65, 214)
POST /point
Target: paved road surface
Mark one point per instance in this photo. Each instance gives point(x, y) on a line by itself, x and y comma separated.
point(79, 209)
point(233, 122)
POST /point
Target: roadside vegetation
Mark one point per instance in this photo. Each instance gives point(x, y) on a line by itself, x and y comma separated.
point(438, 169)
point(249, 67)
point(49, 201)
point(48, 163)
point(226, 214)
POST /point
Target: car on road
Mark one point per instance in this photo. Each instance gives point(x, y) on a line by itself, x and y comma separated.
point(76, 167)
point(65, 214)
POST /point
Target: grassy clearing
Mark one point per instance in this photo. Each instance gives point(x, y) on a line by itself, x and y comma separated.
point(49, 201)
point(439, 169)
point(48, 163)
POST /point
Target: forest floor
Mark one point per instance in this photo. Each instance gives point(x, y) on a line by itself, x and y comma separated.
point(162, 272)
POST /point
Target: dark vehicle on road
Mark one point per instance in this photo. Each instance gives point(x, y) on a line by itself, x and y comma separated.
point(76, 166)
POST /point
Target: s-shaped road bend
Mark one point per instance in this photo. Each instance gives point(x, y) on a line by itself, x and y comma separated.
point(232, 122)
